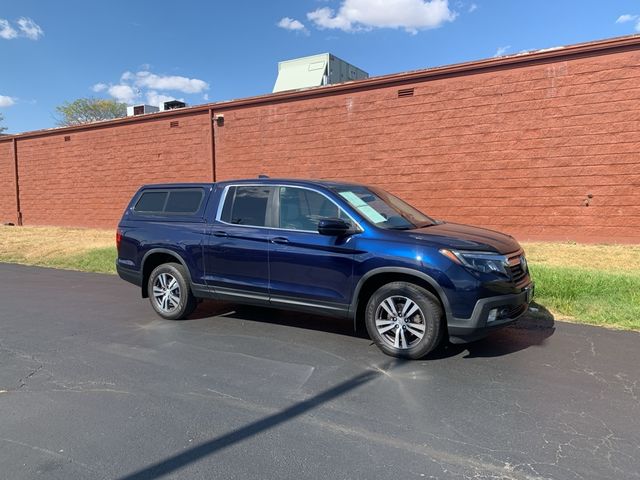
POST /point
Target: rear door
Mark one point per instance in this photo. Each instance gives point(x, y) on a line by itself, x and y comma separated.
point(307, 268)
point(237, 247)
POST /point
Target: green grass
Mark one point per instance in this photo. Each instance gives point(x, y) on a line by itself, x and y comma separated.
point(99, 260)
point(590, 296)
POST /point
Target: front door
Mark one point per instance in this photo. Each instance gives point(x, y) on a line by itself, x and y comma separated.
point(307, 268)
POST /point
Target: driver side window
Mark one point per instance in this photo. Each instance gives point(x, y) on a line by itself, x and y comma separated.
point(302, 209)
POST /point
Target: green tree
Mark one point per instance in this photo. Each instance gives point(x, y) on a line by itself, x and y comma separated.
point(2, 129)
point(86, 110)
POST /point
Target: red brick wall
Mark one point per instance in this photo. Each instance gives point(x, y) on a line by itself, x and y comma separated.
point(88, 180)
point(517, 150)
point(7, 184)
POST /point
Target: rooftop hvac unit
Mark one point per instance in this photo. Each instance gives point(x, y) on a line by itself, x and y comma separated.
point(315, 71)
point(172, 105)
point(141, 110)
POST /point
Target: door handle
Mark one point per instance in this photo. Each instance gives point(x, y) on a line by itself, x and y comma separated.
point(280, 240)
point(219, 233)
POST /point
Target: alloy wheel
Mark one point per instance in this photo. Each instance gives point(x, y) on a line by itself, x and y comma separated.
point(400, 322)
point(166, 292)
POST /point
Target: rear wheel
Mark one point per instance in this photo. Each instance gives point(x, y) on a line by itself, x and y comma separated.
point(404, 320)
point(169, 292)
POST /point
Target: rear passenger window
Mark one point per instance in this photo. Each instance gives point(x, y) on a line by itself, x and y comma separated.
point(151, 202)
point(246, 205)
point(184, 201)
point(180, 201)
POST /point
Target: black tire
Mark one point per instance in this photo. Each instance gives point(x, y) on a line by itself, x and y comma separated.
point(396, 337)
point(175, 310)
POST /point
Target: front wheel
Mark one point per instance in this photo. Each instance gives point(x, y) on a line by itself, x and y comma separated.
point(169, 292)
point(404, 320)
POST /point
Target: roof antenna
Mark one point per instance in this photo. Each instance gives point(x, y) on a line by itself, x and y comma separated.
point(262, 175)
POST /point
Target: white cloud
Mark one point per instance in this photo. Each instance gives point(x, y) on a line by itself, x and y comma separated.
point(6, 101)
point(6, 30)
point(502, 50)
point(170, 82)
point(626, 18)
point(292, 24)
point(153, 88)
point(29, 28)
point(123, 93)
point(99, 87)
point(411, 15)
point(154, 98)
point(325, 18)
point(205, 97)
point(473, 7)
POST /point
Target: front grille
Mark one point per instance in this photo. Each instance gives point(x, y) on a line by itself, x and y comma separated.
point(517, 273)
point(518, 267)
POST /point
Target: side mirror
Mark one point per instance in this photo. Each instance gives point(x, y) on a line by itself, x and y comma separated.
point(334, 227)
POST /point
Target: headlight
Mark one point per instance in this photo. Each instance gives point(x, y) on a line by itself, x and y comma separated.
point(484, 262)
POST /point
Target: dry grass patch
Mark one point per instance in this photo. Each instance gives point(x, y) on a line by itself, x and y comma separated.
point(73, 248)
point(604, 258)
point(33, 243)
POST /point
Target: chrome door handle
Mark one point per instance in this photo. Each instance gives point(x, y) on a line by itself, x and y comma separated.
point(280, 240)
point(219, 233)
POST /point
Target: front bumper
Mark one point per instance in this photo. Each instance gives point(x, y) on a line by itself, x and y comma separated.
point(510, 307)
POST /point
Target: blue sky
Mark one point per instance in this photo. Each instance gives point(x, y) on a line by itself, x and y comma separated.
point(199, 51)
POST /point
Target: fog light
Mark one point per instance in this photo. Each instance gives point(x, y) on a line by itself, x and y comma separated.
point(493, 314)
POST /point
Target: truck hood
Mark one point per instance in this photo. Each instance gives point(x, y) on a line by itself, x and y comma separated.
point(465, 237)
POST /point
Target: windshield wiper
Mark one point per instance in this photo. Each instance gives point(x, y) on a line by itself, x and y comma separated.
point(401, 228)
point(432, 224)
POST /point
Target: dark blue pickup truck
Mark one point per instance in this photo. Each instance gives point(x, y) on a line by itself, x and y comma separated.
point(324, 247)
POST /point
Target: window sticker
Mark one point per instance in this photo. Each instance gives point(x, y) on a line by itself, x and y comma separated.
point(353, 199)
point(363, 208)
point(371, 214)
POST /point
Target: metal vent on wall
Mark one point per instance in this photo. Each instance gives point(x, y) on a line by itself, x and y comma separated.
point(405, 92)
point(174, 124)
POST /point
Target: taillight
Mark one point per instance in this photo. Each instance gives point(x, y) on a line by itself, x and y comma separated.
point(118, 238)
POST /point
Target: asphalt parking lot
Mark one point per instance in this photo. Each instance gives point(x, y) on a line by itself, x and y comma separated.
point(94, 385)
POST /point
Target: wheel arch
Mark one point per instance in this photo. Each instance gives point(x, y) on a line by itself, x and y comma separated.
point(374, 279)
point(156, 257)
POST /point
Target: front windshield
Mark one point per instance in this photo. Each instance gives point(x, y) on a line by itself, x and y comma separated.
point(383, 209)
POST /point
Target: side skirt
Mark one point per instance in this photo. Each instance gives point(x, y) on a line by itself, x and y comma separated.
point(285, 303)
